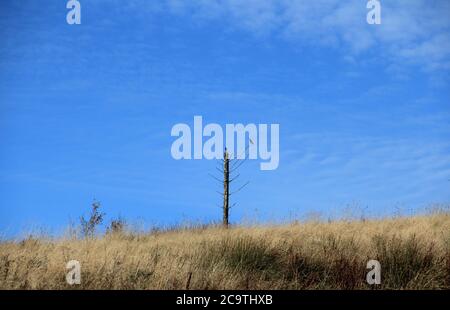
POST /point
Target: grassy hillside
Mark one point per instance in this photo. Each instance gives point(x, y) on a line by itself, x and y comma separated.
point(414, 254)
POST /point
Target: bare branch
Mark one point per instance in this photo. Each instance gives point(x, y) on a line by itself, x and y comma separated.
point(240, 164)
point(243, 153)
point(240, 188)
point(220, 181)
point(235, 177)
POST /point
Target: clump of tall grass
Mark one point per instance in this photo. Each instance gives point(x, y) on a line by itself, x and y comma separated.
point(410, 263)
point(242, 253)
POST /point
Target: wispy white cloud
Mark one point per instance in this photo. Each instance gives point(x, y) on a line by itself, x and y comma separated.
point(406, 168)
point(412, 32)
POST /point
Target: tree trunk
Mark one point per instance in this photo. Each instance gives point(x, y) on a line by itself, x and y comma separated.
point(226, 182)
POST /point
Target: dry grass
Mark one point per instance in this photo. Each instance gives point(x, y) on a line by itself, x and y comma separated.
point(414, 254)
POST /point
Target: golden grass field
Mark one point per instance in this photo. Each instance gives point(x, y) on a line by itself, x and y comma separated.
point(414, 253)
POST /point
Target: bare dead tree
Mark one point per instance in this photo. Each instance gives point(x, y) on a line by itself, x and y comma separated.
point(227, 168)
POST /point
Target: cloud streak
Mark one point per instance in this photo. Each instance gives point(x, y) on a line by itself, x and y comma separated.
point(412, 32)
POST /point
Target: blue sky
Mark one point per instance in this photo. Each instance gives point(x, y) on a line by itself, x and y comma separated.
point(86, 110)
